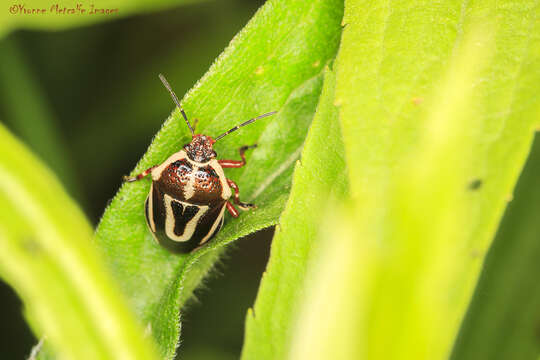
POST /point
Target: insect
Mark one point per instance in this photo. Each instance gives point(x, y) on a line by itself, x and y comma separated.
point(189, 193)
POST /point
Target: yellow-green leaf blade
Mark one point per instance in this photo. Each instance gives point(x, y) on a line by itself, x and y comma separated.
point(502, 320)
point(329, 322)
point(437, 107)
point(319, 173)
point(47, 256)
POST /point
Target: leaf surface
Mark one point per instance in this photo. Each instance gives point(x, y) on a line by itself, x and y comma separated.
point(275, 63)
point(437, 104)
point(502, 321)
point(47, 256)
point(319, 176)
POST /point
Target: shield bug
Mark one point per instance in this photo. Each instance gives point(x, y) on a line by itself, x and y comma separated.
point(189, 192)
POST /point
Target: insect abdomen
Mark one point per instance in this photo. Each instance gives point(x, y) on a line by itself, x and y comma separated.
point(178, 225)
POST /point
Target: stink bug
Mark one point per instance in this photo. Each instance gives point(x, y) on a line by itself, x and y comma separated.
point(189, 192)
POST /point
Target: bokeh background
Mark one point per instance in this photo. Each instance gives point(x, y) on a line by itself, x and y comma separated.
point(88, 101)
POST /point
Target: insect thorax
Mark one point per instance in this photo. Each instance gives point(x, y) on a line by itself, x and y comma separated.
point(194, 182)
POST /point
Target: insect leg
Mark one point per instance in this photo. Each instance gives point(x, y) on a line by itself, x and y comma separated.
point(232, 209)
point(242, 205)
point(139, 176)
point(236, 163)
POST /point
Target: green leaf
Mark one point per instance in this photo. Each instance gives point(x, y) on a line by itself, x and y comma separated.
point(275, 63)
point(437, 105)
point(46, 15)
point(320, 173)
point(328, 324)
point(502, 321)
point(47, 256)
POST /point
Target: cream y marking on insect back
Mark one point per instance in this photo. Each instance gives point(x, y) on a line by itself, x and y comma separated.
point(170, 220)
point(216, 223)
point(150, 210)
point(189, 188)
point(156, 172)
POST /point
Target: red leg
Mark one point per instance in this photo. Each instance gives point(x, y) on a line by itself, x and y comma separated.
point(232, 209)
point(140, 176)
point(236, 163)
point(241, 205)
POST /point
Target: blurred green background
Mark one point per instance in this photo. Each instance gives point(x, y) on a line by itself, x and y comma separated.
point(88, 101)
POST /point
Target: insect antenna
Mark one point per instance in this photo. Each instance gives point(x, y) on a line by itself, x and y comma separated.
point(175, 99)
point(244, 124)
